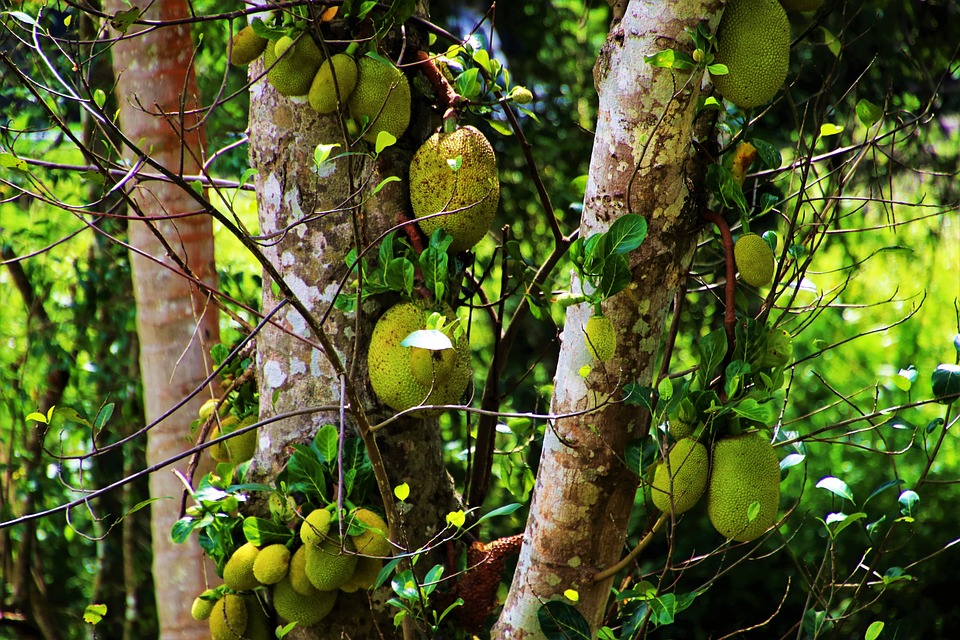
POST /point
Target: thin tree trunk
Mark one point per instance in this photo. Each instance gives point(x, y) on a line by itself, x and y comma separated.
point(642, 163)
point(176, 326)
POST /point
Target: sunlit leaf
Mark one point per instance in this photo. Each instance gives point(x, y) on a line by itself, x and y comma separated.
point(836, 486)
point(402, 491)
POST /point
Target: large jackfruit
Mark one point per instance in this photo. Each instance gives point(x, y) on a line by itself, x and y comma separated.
point(382, 95)
point(364, 575)
point(315, 526)
point(271, 564)
point(304, 609)
point(373, 541)
point(239, 448)
point(323, 92)
point(246, 46)
point(297, 574)
point(228, 619)
point(389, 362)
point(471, 194)
point(745, 470)
point(293, 73)
point(753, 41)
point(689, 465)
point(238, 572)
point(754, 259)
point(329, 566)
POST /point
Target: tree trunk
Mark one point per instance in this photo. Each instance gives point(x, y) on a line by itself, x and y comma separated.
point(642, 163)
point(176, 326)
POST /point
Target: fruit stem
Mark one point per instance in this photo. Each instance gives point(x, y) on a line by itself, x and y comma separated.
point(730, 310)
point(630, 557)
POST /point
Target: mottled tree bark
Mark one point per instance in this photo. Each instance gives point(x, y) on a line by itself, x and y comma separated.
point(175, 323)
point(642, 163)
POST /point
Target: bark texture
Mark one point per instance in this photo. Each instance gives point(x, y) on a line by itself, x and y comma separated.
point(175, 324)
point(642, 163)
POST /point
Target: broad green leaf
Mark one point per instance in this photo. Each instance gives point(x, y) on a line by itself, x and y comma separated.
point(262, 532)
point(36, 416)
point(874, 630)
point(908, 502)
point(22, 17)
point(384, 139)
point(572, 595)
point(712, 348)
point(500, 127)
point(103, 416)
point(99, 98)
point(868, 113)
point(750, 409)
point(94, 613)
point(122, 20)
point(791, 460)
point(322, 153)
point(769, 154)
point(946, 382)
point(626, 233)
point(468, 84)
point(434, 264)
point(385, 252)
point(615, 275)
point(405, 585)
point(70, 415)
point(561, 621)
point(725, 188)
point(456, 518)
point(828, 129)
point(399, 275)
point(665, 389)
point(402, 491)
point(636, 394)
point(306, 474)
point(327, 442)
point(837, 487)
point(753, 511)
point(505, 510)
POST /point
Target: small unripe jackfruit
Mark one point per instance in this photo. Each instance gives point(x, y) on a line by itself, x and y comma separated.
point(521, 95)
point(315, 526)
point(754, 259)
point(689, 465)
point(745, 470)
point(272, 564)
point(382, 95)
point(753, 41)
point(389, 362)
point(471, 193)
point(323, 93)
point(293, 73)
point(329, 566)
point(246, 46)
point(305, 610)
point(202, 607)
point(601, 337)
point(238, 572)
point(373, 541)
point(228, 618)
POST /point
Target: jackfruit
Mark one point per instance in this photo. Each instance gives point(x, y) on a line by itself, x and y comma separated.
point(364, 575)
point(801, 5)
point(315, 526)
point(745, 470)
point(428, 365)
point(329, 566)
point(373, 541)
point(258, 622)
point(471, 194)
point(754, 259)
point(297, 575)
point(521, 95)
point(228, 619)
point(323, 93)
point(389, 362)
point(271, 564)
point(202, 607)
point(246, 46)
point(293, 73)
point(600, 337)
point(238, 572)
point(681, 429)
point(382, 95)
point(689, 465)
point(305, 610)
point(753, 41)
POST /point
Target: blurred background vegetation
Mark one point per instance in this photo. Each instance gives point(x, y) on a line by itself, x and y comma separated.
point(879, 311)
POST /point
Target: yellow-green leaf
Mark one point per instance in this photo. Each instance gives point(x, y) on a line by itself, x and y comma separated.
point(402, 491)
point(572, 595)
point(456, 518)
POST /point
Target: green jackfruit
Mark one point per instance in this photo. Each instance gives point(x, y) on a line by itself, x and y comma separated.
point(754, 259)
point(382, 95)
point(428, 365)
point(471, 193)
point(293, 73)
point(297, 575)
point(373, 541)
point(315, 526)
point(329, 566)
point(753, 41)
point(323, 93)
point(228, 618)
point(259, 626)
point(305, 610)
point(681, 429)
point(600, 337)
point(689, 465)
point(238, 572)
point(364, 575)
point(801, 5)
point(246, 46)
point(272, 564)
point(389, 362)
point(202, 606)
point(745, 470)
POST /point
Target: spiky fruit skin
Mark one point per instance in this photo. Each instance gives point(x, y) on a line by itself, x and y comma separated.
point(801, 5)
point(272, 564)
point(600, 337)
point(754, 259)
point(689, 465)
point(228, 618)
point(382, 95)
point(305, 610)
point(329, 566)
point(297, 575)
point(238, 572)
point(373, 541)
point(753, 41)
point(293, 74)
point(315, 526)
point(323, 94)
point(680, 429)
point(428, 365)
point(471, 194)
point(201, 608)
point(246, 46)
point(364, 575)
point(389, 363)
point(745, 470)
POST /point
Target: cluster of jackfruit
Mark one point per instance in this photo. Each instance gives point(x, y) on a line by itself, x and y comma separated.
point(233, 616)
point(753, 41)
point(398, 374)
point(739, 472)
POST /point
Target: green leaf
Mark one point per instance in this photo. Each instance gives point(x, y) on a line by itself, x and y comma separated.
point(717, 69)
point(500, 127)
point(874, 630)
point(468, 84)
point(122, 20)
point(103, 416)
point(434, 264)
point(837, 487)
point(561, 621)
point(431, 339)
point(868, 113)
point(828, 129)
point(725, 188)
point(750, 409)
point(36, 416)
point(670, 59)
point(908, 502)
point(94, 613)
point(182, 529)
point(22, 17)
point(639, 395)
point(626, 233)
point(848, 520)
point(306, 474)
point(769, 154)
point(399, 275)
point(405, 585)
point(946, 382)
point(712, 348)
point(615, 275)
point(263, 532)
point(322, 153)
point(505, 510)
point(327, 442)
point(753, 511)
point(402, 491)
point(384, 139)
point(482, 58)
point(99, 98)
point(70, 415)
point(385, 181)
